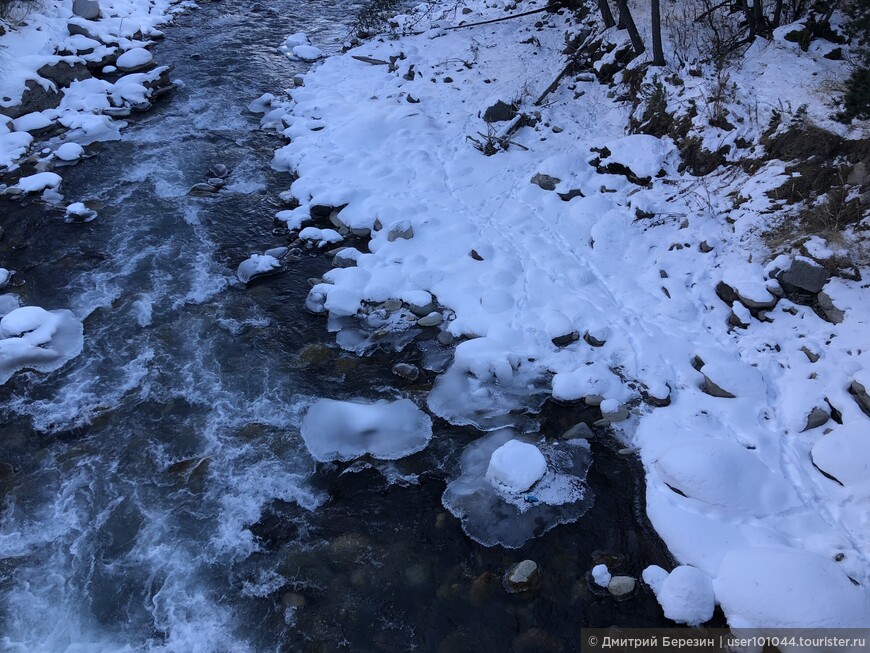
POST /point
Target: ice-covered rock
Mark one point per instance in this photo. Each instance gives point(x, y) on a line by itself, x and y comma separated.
point(31, 337)
point(494, 514)
point(516, 466)
point(686, 594)
point(344, 430)
point(299, 38)
point(776, 587)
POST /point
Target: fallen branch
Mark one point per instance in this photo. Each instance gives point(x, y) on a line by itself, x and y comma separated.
point(371, 60)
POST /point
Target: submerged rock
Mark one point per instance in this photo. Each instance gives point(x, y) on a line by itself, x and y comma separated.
point(522, 577)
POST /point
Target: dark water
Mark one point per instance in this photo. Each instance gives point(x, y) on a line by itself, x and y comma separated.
point(157, 495)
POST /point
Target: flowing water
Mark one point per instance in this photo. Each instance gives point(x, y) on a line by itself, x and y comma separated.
point(156, 492)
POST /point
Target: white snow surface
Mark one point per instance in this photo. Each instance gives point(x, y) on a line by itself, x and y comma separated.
point(728, 479)
point(307, 52)
point(39, 182)
point(69, 152)
point(344, 430)
point(515, 466)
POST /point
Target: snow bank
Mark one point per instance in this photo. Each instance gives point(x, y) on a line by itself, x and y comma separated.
point(785, 588)
point(344, 430)
point(686, 594)
point(600, 290)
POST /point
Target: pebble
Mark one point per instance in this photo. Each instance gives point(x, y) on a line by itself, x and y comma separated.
point(433, 319)
point(522, 577)
point(621, 586)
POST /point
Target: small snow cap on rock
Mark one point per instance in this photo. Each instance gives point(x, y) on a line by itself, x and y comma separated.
point(134, 59)
point(307, 52)
point(31, 337)
point(601, 575)
point(69, 152)
point(516, 466)
point(39, 182)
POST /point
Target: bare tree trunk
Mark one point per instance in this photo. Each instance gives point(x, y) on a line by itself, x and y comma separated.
point(758, 16)
point(627, 21)
point(777, 15)
point(750, 18)
point(658, 52)
point(606, 14)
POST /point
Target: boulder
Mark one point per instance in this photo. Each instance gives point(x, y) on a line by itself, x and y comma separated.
point(804, 274)
point(522, 577)
point(546, 182)
point(833, 314)
point(499, 112)
point(87, 9)
point(621, 586)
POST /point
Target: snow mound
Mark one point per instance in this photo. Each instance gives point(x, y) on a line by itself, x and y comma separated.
point(135, 58)
point(39, 182)
point(69, 152)
point(307, 52)
point(516, 466)
point(493, 515)
point(686, 595)
point(787, 588)
point(643, 154)
point(32, 122)
point(724, 474)
point(31, 337)
point(344, 430)
point(299, 38)
point(845, 454)
point(255, 266)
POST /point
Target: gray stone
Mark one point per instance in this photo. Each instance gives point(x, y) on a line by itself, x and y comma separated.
point(567, 339)
point(404, 230)
point(621, 586)
point(392, 305)
point(806, 275)
point(704, 247)
point(861, 396)
point(593, 341)
point(859, 175)
point(811, 355)
point(579, 431)
point(432, 319)
point(422, 310)
point(499, 112)
point(546, 182)
point(219, 170)
point(522, 577)
point(816, 418)
point(217, 182)
point(618, 415)
point(445, 338)
point(202, 189)
point(833, 314)
point(406, 371)
point(714, 390)
point(87, 9)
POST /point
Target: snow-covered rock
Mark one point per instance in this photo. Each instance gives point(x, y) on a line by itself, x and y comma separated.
point(33, 338)
point(601, 575)
point(134, 59)
point(256, 266)
point(686, 595)
point(39, 182)
point(69, 152)
point(344, 430)
point(515, 466)
point(307, 52)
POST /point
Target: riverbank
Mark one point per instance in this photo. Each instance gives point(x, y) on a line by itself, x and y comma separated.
point(569, 259)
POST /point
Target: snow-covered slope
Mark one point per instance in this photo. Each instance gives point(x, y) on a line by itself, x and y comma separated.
point(533, 244)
